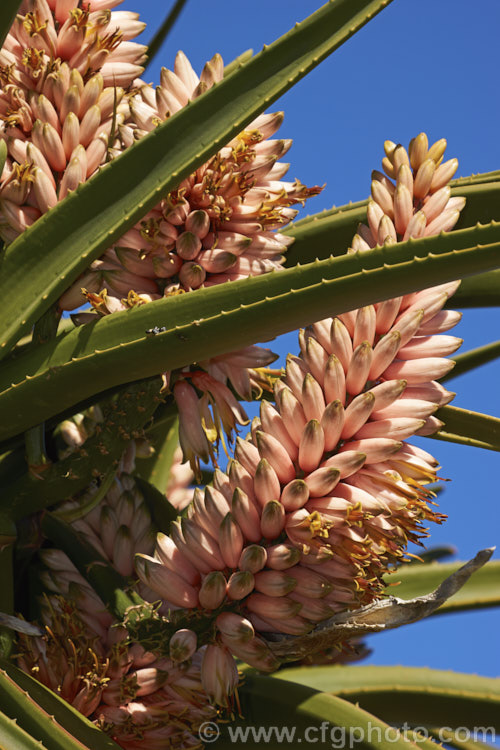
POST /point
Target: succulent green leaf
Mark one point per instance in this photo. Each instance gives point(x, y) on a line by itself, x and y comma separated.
point(164, 439)
point(13, 737)
point(6, 595)
point(108, 584)
point(415, 695)
point(482, 290)
point(45, 716)
point(162, 512)
point(164, 30)
point(301, 713)
point(75, 232)
point(8, 10)
point(468, 428)
point(124, 418)
point(481, 590)
point(220, 319)
point(454, 740)
point(235, 64)
point(474, 358)
point(330, 232)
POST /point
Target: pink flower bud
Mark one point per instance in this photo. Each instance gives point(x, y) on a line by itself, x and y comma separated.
point(253, 558)
point(270, 607)
point(274, 583)
point(165, 582)
point(272, 520)
point(292, 414)
point(230, 541)
point(182, 645)
point(295, 495)
point(270, 449)
point(266, 483)
point(282, 556)
point(313, 400)
point(246, 515)
point(311, 446)
point(240, 584)
point(213, 590)
point(235, 627)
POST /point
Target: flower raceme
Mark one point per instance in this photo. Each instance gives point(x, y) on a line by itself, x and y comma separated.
point(220, 223)
point(136, 698)
point(324, 494)
point(70, 100)
point(64, 70)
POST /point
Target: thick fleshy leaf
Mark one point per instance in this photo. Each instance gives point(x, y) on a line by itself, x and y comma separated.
point(481, 590)
point(290, 714)
point(123, 415)
point(414, 695)
point(45, 717)
point(482, 290)
point(164, 439)
point(468, 428)
point(6, 593)
point(474, 358)
point(162, 512)
point(13, 737)
point(164, 30)
point(330, 232)
point(220, 319)
point(40, 264)
point(8, 10)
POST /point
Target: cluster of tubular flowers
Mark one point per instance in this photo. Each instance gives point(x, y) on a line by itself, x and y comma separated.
point(118, 526)
point(64, 70)
point(136, 698)
point(219, 223)
point(325, 493)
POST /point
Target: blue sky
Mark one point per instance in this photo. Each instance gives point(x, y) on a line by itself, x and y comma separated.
point(420, 65)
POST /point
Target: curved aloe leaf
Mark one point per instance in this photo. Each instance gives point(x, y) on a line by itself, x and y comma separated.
point(468, 428)
point(108, 584)
point(235, 64)
point(13, 737)
point(212, 321)
point(418, 696)
point(6, 596)
point(330, 232)
point(162, 512)
point(124, 417)
point(479, 291)
point(481, 590)
point(291, 713)
point(164, 439)
point(164, 30)
point(474, 358)
point(452, 739)
point(8, 10)
point(46, 717)
point(40, 264)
